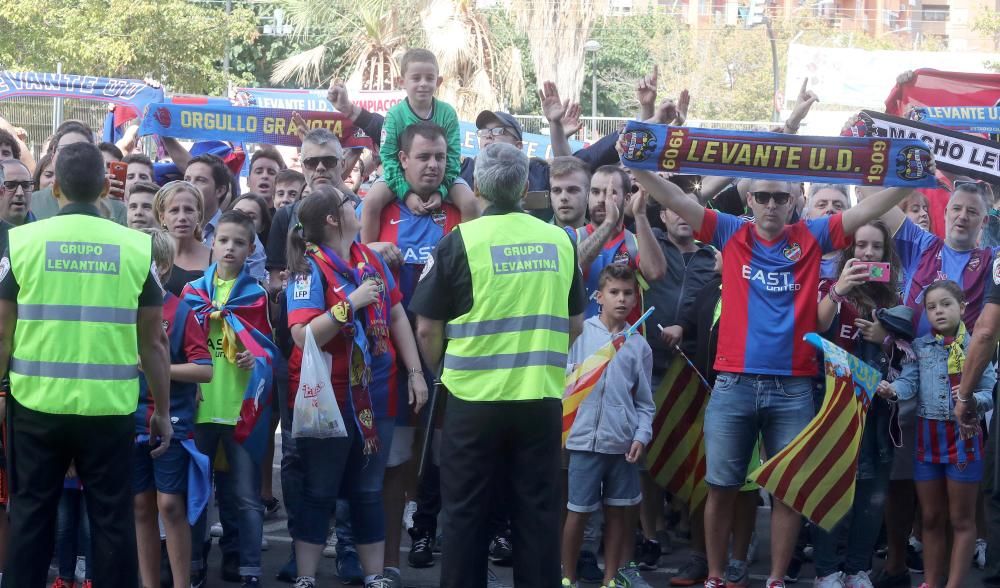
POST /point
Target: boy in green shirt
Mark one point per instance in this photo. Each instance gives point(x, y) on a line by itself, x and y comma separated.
point(420, 79)
point(233, 308)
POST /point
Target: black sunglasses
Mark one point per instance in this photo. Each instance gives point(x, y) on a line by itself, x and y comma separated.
point(328, 161)
point(780, 198)
point(973, 186)
point(26, 185)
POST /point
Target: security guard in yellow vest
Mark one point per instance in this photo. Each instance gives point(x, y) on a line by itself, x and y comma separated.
point(506, 292)
point(80, 312)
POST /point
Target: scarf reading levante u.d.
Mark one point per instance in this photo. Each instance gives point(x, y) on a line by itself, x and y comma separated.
point(369, 330)
point(776, 156)
point(244, 319)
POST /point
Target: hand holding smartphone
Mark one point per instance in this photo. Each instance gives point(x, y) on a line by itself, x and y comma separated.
point(878, 271)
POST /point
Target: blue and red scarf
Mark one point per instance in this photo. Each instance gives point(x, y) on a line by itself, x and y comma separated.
point(244, 320)
point(369, 329)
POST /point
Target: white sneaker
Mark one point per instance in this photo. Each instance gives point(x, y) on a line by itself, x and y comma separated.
point(216, 530)
point(834, 580)
point(264, 544)
point(411, 507)
point(859, 580)
point(330, 550)
point(979, 557)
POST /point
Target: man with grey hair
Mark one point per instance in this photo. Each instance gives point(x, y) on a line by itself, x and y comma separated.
point(827, 200)
point(505, 370)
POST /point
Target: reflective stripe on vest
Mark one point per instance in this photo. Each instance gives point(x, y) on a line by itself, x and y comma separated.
point(66, 312)
point(507, 325)
point(75, 347)
point(74, 371)
point(513, 343)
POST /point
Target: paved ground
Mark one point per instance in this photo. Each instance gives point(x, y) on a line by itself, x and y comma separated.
point(280, 544)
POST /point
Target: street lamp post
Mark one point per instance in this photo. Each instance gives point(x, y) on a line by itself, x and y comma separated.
point(593, 47)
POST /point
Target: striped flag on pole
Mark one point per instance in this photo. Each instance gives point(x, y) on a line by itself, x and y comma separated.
point(676, 455)
point(582, 380)
point(815, 473)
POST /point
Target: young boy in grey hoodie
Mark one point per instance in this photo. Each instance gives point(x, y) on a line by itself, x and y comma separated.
point(612, 427)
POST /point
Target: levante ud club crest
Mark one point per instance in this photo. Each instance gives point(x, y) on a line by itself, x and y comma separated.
point(912, 163)
point(793, 252)
point(639, 145)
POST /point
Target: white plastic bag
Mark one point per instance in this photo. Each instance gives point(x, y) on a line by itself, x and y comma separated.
point(317, 414)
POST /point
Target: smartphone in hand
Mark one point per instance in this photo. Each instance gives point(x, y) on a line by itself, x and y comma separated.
point(878, 271)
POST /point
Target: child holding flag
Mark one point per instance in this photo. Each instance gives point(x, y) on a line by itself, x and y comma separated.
point(949, 465)
point(610, 428)
point(235, 410)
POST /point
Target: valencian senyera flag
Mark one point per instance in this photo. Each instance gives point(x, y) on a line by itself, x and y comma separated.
point(815, 473)
point(676, 455)
point(583, 379)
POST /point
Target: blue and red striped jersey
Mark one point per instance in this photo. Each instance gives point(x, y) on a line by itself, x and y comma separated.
point(769, 292)
point(926, 258)
point(622, 248)
point(307, 300)
point(416, 236)
point(187, 345)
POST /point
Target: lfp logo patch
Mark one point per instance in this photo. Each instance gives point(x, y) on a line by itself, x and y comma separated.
point(639, 145)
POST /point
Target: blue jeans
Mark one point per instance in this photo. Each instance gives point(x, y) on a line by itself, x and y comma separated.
point(291, 462)
point(744, 406)
point(329, 464)
point(860, 527)
point(72, 532)
point(244, 480)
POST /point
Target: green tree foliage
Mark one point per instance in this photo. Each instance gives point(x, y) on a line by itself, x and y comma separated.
point(251, 59)
point(176, 42)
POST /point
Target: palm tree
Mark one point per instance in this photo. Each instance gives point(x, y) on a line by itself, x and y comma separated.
point(478, 75)
point(370, 33)
point(373, 34)
point(557, 31)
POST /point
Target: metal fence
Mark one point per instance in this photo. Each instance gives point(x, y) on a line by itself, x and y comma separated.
point(596, 127)
point(39, 115)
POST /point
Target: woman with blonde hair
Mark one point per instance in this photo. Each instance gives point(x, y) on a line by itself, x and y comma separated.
point(180, 209)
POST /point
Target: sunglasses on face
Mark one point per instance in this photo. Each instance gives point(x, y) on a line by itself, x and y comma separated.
point(26, 185)
point(973, 185)
point(494, 132)
point(328, 161)
point(780, 198)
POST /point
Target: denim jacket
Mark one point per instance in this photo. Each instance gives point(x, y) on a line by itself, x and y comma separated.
point(929, 375)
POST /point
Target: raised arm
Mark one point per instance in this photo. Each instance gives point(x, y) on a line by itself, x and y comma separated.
point(884, 205)
point(554, 108)
point(652, 262)
point(645, 93)
point(671, 196)
point(178, 154)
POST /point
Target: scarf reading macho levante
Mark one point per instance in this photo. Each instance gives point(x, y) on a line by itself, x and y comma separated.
point(776, 156)
point(244, 323)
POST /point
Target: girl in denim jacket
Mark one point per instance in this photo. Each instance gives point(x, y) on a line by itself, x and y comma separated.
point(948, 468)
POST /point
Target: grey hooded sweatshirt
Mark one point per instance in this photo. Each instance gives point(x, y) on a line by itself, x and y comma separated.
point(620, 408)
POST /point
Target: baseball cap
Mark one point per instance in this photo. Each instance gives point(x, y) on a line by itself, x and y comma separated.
point(503, 118)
